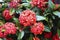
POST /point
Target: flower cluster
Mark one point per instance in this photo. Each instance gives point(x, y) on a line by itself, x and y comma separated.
point(27, 18)
point(40, 3)
point(6, 14)
point(13, 4)
point(7, 28)
point(48, 35)
point(55, 37)
point(36, 18)
point(37, 28)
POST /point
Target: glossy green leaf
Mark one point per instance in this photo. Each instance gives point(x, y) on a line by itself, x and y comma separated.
point(20, 36)
point(1, 39)
point(47, 29)
point(36, 10)
point(16, 22)
point(28, 0)
point(51, 4)
point(26, 5)
point(12, 11)
point(31, 37)
point(57, 13)
point(18, 11)
point(39, 18)
point(24, 1)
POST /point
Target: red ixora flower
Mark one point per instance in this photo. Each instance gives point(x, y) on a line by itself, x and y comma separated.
point(9, 39)
point(1, 34)
point(55, 37)
point(6, 14)
point(13, 4)
point(40, 3)
point(37, 28)
point(10, 28)
point(27, 18)
point(7, 28)
point(48, 34)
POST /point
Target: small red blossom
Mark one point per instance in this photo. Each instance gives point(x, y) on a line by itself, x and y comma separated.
point(48, 35)
point(6, 14)
point(27, 18)
point(13, 4)
point(9, 39)
point(34, 2)
point(1, 34)
point(55, 37)
point(37, 28)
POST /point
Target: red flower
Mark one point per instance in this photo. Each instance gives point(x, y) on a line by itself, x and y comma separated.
point(27, 18)
point(34, 2)
point(40, 3)
point(55, 37)
point(37, 28)
point(6, 14)
point(6, 29)
point(36, 38)
point(9, 39)
point(10, 28)
point(1, 34)
point(13, 4)
point(48, 35)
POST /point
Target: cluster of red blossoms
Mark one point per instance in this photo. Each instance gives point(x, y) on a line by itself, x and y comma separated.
point(6, 29)
point(6, 14)
point(28, 18)
point(40, 3)
point(49, 35)
point(37, 28)
point(13, 4)
point(55, 37)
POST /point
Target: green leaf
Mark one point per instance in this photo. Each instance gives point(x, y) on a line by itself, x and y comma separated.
point(47, 29)
point(26, 5)
point(1, 39)
point(16, 21)
point(18, 11)
point(12, 11)
point(51, 4)
point(58, 32)
point(28, 0)
point(57, 13)
point(36, 10)
point(4, 5)
point(39, 18)
point(31, 37)
point(6, 0)
point(20, 36)
point(24, 1)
